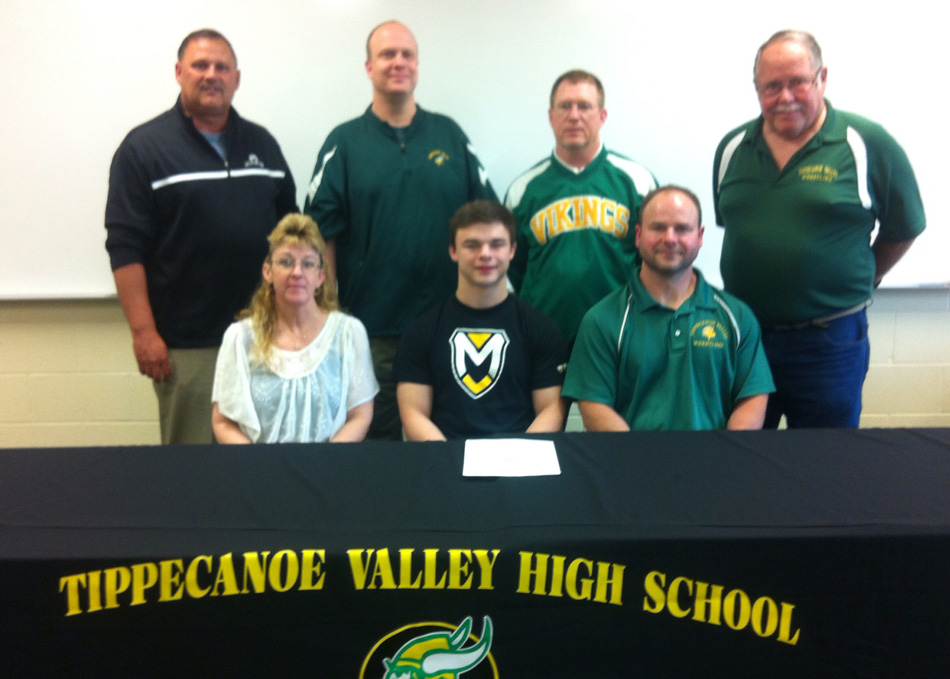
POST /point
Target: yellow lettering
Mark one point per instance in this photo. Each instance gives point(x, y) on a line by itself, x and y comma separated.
point(557, 575)
point(764, 626)
point(104, 589)
point(311, 572)
point(561, 219)
point(589, 215)
point(622, 225)
point(586, 583)
point(72, 583)
point(736, 619)
point(459, 567)
point(225, 582)
point(653, 585)
point(383, 573)
point(255, 568)
point(191, 577)
point(539, 226)
point(358, 567)
point(431, 571)
point(95, 592)
point(607, 215)
point(485, 565)
point(171, 572)
point(405, 570)
point(673, 597)
point(708, 605)
point(714, 601)
point(526, 572)
point(144, 576)
point(117, 580)
point(576, 213)
point(785, 626)
point(290, 573)
point(613, 581)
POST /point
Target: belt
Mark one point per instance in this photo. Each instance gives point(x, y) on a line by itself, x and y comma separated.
point(819, 322)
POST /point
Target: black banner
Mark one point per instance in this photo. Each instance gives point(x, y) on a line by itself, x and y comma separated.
point(797, 553)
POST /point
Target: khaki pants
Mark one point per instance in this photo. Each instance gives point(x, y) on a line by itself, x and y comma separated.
point(184, 400)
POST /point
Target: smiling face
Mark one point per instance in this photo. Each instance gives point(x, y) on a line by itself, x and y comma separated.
point(791, 90)
point(296, 272)
point(669, 234)
point(392, 63)
point(209, 77)
point(576, 116)
point(483, 251)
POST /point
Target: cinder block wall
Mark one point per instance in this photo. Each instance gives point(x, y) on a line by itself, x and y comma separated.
point(68, 377)
point(908, 384)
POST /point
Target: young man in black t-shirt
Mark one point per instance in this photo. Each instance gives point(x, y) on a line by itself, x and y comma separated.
point(482, 362)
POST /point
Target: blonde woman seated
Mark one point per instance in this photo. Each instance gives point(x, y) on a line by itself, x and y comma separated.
point(294, 368)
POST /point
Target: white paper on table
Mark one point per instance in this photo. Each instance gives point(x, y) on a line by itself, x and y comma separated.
point(510, 457)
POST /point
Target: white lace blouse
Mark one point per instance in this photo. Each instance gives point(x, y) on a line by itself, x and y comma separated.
point(298, 396)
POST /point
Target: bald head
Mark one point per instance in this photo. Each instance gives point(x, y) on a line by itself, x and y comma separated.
point(392, 64)
point(385, 24)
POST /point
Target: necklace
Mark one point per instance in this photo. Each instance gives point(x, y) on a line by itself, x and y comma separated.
point(295, 338)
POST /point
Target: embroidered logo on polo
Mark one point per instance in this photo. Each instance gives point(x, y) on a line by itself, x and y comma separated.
point(478, 358)
point(438, 156)
point(709, 333)
point(433, 650)
point(817, 173)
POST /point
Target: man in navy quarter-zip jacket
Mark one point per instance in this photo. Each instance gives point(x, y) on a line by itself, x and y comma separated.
point(193, 194)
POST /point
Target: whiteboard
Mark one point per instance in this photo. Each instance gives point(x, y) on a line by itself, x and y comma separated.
point(77, 75)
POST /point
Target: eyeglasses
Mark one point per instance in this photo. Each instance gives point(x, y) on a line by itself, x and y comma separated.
point(794, 85)
point(289, 264)
point(564, 107)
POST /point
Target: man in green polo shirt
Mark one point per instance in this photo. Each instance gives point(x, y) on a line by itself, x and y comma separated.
point(669, 351)
point(799, 191)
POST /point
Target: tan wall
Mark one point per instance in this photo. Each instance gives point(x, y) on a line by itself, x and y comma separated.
point(68, 377)
point(908, 384)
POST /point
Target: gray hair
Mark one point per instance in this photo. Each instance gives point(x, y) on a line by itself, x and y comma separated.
point(204, 34)
point(802, 37)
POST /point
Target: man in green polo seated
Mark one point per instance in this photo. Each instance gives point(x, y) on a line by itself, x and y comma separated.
point(669, 351)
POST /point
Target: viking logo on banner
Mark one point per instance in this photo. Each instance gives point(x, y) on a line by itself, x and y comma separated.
point(433, 650)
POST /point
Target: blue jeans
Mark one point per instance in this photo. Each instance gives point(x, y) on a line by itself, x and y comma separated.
point(819, 373)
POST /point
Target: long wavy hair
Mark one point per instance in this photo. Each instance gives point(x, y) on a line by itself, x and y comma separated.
point(293, 229)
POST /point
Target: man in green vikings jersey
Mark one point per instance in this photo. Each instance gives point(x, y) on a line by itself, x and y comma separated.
point(575, 210)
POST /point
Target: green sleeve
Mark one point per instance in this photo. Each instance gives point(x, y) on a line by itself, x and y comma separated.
point(326, 197)
point(592, 369)
point(897, 196)
point(753, 375)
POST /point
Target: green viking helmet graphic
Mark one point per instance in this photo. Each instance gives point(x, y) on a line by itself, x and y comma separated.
point(439, 655)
